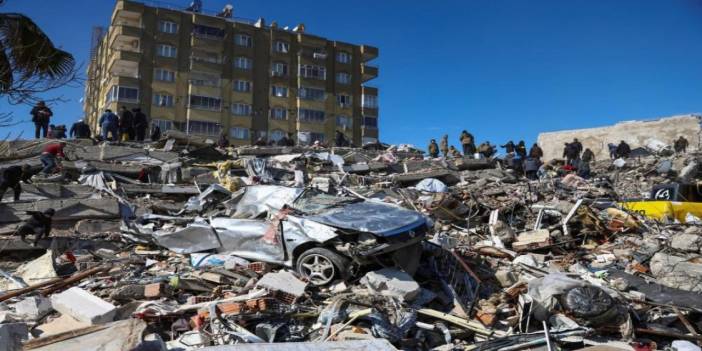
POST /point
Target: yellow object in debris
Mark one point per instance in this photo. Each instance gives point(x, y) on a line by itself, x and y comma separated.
point(664, 209)
point(222, 174)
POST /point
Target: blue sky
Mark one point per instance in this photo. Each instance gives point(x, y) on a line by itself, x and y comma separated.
point(503, 69)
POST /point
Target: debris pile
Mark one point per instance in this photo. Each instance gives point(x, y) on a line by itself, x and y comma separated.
point(179, 245)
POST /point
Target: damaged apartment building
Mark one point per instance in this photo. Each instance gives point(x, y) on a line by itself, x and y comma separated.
point(205, 73)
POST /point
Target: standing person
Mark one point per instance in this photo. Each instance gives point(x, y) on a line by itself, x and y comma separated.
point(141, 123)
point(38, 224)
point(50, 156)
point(623, 149)
point(612, 150)
point(680, 145)
point(126, 124)
point(433, 149)
point(521, 149)
point(155, 132)
point(223, 141)
point(11, 178)
point(291, 140)
point(468, 143)
point(570, 153)
point(509, 147)
point(588, 155)
point(531, 167)
point(443, 145)
point(80, 130)
point(109, 125)
point(454, 153)
point(578, 147)
point(40, 116)
point(59, 132)
point(536, 152)
point(486, 150)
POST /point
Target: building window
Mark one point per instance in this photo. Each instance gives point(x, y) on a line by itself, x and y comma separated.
point(370, 122)
point(241, 109)
point(165, 50)
point(204, 79)
point(207, 32)
point(242, 86)
point(167, 27)
point(319, 54)
point(163, 100)
point(317, 137)
point(279, 91)
point(313, 71)
point(164, 75)
point(311, 94)
point(204, 128)
point(203, 56)
point(279, 113)
point(122, 94)
point(343, 100)
point(162, 124)
point(345, 122)
point(343, 78)
point(242, 62)
point(282, 47)
point(370, 101)
point(311, 116)
point(205, 103)
point(243, 40)
point(276, 135)
point(279, 69)
point(239, 133)
point(343, 57)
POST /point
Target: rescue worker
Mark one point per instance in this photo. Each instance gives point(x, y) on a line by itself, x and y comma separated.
point(570, 153)
point(433, 149)
point(623, 149)
point(612, 150)
point(109, 125)
point(49, 157)
point(578, 147)
point(531, 167)
point(509, 147)
point(80, 130)
point(536, 152)
point(40, 116)
point(11, 178)
point(468, 143)
point(126, 124)
point(454, 153)
point(521, 149)
point(588, 155)
point(443, 145)
point(680, 145)
point(486, 149)
point(141, 123)
point(38, 224)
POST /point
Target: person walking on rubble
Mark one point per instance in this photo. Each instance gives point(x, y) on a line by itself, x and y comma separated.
point(680, 145)
point(223, 141)
point(40, 116)
point(11, 178)
point(155, 132)
point(623, 150)
point(531, 167)
point(141, 123)
point(126, 124)
point(486, 149)
point(570, 153)
point(109, 125)
point(468, 143)
point(433, 149)
point(443, 145)
point(578, 147)
point(80, 130)
point(612, 150)
point(51, 155)
point(588, 155)
point(453, 152)
point(521, 150)
point(509, 147)
point(38, 224)
point(536, 152)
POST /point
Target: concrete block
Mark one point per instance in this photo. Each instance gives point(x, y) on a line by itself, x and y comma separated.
point(12, 335)
point(392, 282)
point(283, 281)
point(83, 306)
point(33, 307)
point(686, 242)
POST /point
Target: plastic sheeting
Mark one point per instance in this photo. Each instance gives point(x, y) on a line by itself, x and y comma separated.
point(261, 199)
point(432, 185)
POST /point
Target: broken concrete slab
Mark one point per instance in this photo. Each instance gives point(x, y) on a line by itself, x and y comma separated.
point(33, 307)
point(392, 282)
point(686, 242)
point(677, 272)
point(66, 209)
point(12, 335)
point(283, 281)
point(83, 306)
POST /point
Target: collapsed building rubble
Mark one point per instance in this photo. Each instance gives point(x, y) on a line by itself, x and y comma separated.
point(179, 245)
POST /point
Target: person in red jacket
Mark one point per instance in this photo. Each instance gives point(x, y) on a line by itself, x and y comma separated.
point(50, 156)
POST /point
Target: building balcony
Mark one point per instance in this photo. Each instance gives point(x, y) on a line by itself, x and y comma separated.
point(126, 38)
point(367, 90)
point(368, 72)
point(124, 64)
point(127, 11)
point(205, 41)
point(206, 65)
point(368, 52)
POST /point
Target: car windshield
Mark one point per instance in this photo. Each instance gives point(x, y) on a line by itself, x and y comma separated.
point(313, 201)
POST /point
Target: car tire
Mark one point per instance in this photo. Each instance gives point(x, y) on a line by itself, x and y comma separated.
point(321, 266)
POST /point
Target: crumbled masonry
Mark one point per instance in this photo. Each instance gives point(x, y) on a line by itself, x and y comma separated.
point(180, 245)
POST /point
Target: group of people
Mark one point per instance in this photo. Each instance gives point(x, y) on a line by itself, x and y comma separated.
point(128, 126)
point(467, 144)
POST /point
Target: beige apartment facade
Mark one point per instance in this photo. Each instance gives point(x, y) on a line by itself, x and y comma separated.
point(204, 74)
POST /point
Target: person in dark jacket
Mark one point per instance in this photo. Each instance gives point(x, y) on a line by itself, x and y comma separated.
point(223, 141)
point(536, 152)
point(468, 143)
point(623, 149)
point(531, 167)
point(59, 132)
point(109, 125)
point(521, 149)
point(509, 147)
point(141, 123)
point(80, 130)
point(486, 149)
point(433, 149)
point(38, 224)
point(155, 132)
point(40, 116)
point(11, 178)
point(126, 124)
point(680, 145)
point(570, 153)
point(578, 146)
point(340, 139)
point(588, 155)
point(612, 150)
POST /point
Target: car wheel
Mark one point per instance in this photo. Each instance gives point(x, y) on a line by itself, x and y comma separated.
point(321, 266)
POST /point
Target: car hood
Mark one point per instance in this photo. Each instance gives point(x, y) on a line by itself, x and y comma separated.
point(372, 217)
